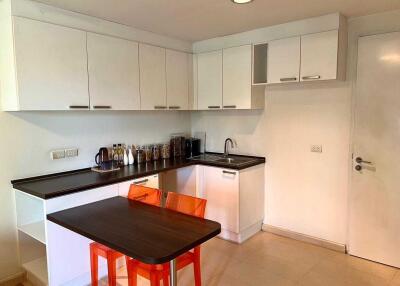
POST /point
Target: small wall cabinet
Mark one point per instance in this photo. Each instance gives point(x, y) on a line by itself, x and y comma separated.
point(312, 57)
point(283, 60)
point(152, 77)
point(51, 68)
point(177, 69)
point(238, 92)
point(209, 77)
point(113, 67)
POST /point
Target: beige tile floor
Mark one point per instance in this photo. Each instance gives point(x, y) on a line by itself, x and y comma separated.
point(268, 259)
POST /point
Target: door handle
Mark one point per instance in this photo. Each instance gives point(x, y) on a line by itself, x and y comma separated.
point(359, 160)
point(228, 172)
point(311, 77)
point(141, 182)
point(102, 107)
point(285, 79)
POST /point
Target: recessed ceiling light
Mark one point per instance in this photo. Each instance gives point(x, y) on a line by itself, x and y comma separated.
point(241, 1)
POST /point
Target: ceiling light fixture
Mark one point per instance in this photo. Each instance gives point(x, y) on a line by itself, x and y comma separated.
point(241, 1)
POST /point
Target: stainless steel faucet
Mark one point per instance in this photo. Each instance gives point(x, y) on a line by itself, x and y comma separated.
point(226, 152)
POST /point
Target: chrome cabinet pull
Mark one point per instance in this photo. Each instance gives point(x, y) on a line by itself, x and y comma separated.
point(311, 77)
point(285, 79)
point(214, 106)
point(174, 107)
point(229, 106)
point(78, 107)
point(102, 107)
point(228, 172)
point(160, 107)
point(141, 182)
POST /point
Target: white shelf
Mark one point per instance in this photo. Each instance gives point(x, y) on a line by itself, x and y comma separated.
point(35, 230)
point(38, 269)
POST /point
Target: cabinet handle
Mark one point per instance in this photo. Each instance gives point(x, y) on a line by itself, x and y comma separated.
point(141, 182)
point(311, 77)
point(285, 79)
point(228, 172)
point(214, 107)
point(102, 107)
point(229, 106)
point(78, 107)
point(160, 107)
point(174, 107)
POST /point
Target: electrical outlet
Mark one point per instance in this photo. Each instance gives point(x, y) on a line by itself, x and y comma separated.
point(73, 152)
point(57, 154)
point(316, 148)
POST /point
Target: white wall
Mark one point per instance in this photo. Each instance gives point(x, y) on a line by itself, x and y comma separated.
point(305, 192)
point(27, 138)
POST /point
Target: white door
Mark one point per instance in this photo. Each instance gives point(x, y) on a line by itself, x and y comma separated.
point(221, 190)
point(283, 64)
point(51, 66)
point(113, 66)
point(319, 56)
point(209, 80)
point(177, 80)
point(237, 77)
point(153, 90)
point(374, 227)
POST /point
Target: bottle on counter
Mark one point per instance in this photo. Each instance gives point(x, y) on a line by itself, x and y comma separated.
point(125, 156)
point(115, 155)
point(120, 155)
point(130, 156)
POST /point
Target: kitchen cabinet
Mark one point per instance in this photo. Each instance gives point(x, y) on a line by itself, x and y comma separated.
point(50, 66)
point(149, 181)
point(209, 80)
point(283, 60)
point(152, 77)
point(113, 67)
point(177, 67)
point(235, 199)
point(319, 56)
point(238, 92)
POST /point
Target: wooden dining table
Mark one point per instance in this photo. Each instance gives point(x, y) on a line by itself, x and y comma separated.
point(150, 234)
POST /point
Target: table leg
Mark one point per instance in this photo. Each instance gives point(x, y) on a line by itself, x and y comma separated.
point(173, 278)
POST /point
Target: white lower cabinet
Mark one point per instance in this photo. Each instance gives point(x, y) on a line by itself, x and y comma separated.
point(150, 181)
point(235, 199)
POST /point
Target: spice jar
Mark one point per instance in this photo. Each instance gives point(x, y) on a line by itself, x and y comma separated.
point(165, 151)
point(156, 152)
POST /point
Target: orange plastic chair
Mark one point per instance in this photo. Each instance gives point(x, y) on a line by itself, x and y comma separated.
point(180, 203)
point(139, 193)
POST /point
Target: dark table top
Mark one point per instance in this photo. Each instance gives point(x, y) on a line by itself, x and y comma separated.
point(147, 233)
point(59, 184)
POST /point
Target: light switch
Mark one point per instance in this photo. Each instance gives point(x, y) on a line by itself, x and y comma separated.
point(57, 154)
point(316, 148)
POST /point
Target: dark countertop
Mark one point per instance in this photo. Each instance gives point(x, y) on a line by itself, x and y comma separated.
point(151, 234)
point(59, 184)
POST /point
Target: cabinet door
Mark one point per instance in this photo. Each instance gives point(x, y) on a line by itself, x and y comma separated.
point(283, 64)
point(209, 80)
point(113, 66)
point(153, 91)
point(237, 77)
point(51, 66)
point(221, 190)
point(177, 80)
point(319, 56)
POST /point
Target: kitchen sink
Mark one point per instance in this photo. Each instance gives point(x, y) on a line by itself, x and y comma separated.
point(230, 160)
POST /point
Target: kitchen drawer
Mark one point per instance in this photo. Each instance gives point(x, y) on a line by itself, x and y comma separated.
point(149, 181)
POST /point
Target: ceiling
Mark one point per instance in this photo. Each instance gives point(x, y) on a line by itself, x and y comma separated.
point(195, 20)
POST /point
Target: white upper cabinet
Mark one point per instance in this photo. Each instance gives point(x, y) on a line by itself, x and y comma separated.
point(153, 89)
point(283, 64)
point(237, 77)
point(209, 80)
point(113, 66)
point(177, 64)
point(51, 66)
point(319, 56)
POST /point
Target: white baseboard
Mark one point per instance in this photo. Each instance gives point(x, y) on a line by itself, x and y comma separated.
point(243, 235)
point(14, 279)
point(305, 238)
